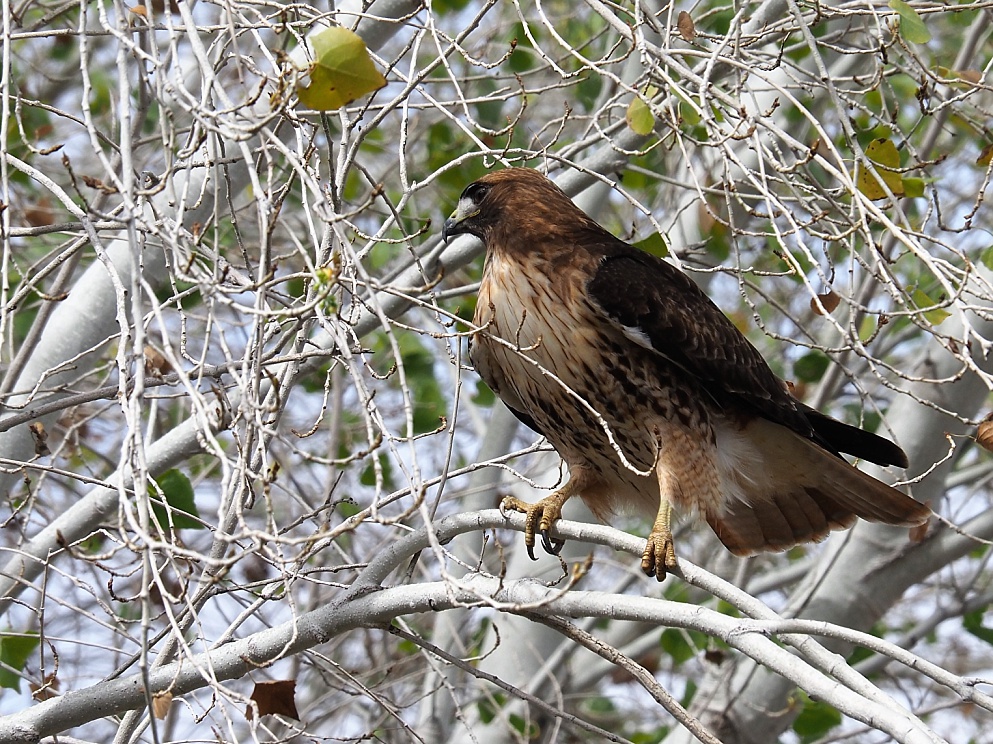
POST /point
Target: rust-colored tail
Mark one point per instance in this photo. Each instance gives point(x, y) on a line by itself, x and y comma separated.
point(799, 492)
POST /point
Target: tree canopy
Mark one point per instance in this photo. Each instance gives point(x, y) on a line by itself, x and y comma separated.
point(250, 478)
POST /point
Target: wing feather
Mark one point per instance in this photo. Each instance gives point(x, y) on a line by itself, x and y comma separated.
point(649, 299)
point(659, 307)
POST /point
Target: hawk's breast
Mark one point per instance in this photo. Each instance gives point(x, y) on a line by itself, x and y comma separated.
point(590, 390)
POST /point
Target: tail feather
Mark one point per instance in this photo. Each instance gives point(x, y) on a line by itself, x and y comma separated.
point(841, 437)
point(785, 520)
point(799, 492)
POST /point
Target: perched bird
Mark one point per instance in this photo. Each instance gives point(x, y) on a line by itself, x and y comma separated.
point(647, 391)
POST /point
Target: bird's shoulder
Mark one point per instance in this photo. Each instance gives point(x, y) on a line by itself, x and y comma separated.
point(657, 306)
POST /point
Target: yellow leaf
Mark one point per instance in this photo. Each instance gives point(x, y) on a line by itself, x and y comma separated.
point(639, 117)
point(868, 328)
point(342, 71)
point(886, 159)
point(932, 314)
point(985, 156)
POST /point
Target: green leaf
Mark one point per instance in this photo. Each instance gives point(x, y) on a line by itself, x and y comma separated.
point(15, 649)
point(489, 109)
point(523, 57)
point(675, 644)
point(587, 90)
point(488, 706)
point(342, 71)
point(426, 395)
point(973, 622)
point(811, 366)
point(934, 315)
point(368, 475)
point(867, 328)
point(447, 6)
point(483, 395)
point(913, 187)
point(986, 258)
point(912, 28)
point(528, 728)
point(654, 244)
point(689, 693)
point(347, 508)
point(650, 737)
point(688, 112)
point(815, 720)
point(600, 706)
point(181, 510)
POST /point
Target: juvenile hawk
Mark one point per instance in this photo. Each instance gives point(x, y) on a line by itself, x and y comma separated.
point(647, 391)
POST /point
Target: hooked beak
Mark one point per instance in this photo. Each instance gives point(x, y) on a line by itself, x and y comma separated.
point(456, 224)
point(450, 229)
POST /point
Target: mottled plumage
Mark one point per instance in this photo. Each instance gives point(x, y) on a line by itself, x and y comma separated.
point(648, 392)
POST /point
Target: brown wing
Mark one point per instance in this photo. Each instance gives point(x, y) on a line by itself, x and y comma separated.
point(661, 307)
point(656, 302)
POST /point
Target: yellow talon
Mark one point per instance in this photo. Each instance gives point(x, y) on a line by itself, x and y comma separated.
point(660, 551)
point(541, 515)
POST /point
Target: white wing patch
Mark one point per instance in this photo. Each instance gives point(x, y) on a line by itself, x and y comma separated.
point(633, 333)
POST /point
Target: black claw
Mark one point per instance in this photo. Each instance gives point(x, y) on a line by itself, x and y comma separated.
point(531, 552)
point(551, 545)
point(546, 542)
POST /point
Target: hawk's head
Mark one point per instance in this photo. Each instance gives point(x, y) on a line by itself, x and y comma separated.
point(514, 205)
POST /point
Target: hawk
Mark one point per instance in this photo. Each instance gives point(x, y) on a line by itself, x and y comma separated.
point(650, 395)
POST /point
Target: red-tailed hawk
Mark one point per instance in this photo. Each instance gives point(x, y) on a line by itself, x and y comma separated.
point(647, 391)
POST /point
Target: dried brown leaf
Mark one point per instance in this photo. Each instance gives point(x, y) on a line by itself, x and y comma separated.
point(160, 704)
point(826, 303)
point(95, 183)
point(47, 690)
point(984, 433)
point(39, 213)
point(40, 437)
point(685, 26)
point(275, 698)
point(156, 364)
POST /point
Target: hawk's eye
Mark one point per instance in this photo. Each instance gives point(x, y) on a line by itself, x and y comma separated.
point(475, 192)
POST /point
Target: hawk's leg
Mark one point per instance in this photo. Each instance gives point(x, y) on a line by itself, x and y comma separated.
point(541, 515)
point(660, 551)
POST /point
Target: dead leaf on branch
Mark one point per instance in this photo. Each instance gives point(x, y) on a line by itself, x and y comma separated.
point(275, 698)
point(40, 437)
point(685, 26)
point(160, 704)
point(984, 433)
point(826, 303)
